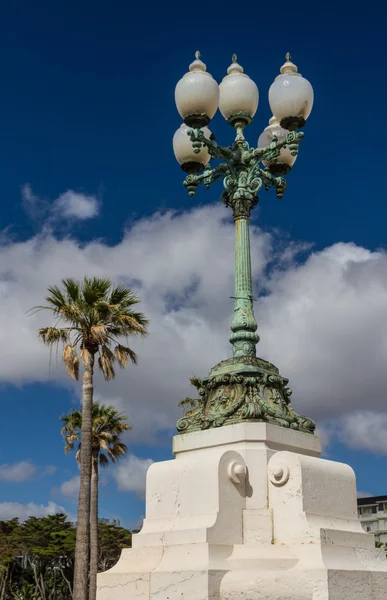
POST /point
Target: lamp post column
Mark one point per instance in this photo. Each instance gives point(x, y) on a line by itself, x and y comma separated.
point(244, 325)
point(244, 387)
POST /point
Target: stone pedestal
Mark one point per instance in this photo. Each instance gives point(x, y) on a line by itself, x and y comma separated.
point(249, 512)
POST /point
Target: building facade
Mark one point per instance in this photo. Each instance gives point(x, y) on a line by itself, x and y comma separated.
point(115, 522)
point(373, 516)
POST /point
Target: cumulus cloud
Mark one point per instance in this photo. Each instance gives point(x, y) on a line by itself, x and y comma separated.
point(321, 317)
point(323, 323)
point(13, 510)
point(70, 488)
point(364, 430)
point(130, 474)
point(73, 205)
point(361, 494)
point(70, 205)
point(49, 470)
point(23, 471)
point(17, 472)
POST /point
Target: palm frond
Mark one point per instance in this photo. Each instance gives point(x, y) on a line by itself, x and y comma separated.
point(116, 451)
point(85, 356)
point(71, 361)
point(95, 289)
point(108, 423)
point(105, 362)
point(122, 353)
point(68, 447)
point(99, 333)
point(74, 314)
point(121, 294)
point(103, 461)
point(53, 335)
point(56, 298)
point(72, 421)
point(73, 290)
point(196, 382)
point(130, 324)
point(188, 403)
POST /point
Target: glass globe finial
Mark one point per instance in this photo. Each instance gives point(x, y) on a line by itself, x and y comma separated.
point(238, 100)
point(197, 95)
point(291, 97)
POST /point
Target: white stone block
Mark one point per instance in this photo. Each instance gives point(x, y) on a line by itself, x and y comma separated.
point(249, 512)
point(257, 527)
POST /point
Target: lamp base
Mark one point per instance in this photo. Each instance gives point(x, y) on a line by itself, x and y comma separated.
point(241, 117)
point(197, 120)
point(293, 123)
point(279, 169)
point(192, 167)
point(240, 390)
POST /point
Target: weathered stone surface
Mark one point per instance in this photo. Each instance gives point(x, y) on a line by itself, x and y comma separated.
point(249, 512)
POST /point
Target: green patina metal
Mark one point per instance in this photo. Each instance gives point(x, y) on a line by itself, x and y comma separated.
point(245, 387)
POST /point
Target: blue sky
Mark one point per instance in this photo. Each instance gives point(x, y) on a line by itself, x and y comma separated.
point(87, 110)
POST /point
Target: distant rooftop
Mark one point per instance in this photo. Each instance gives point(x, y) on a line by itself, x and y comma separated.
point(371, 500)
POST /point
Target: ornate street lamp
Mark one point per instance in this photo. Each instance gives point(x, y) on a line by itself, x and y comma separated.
point(245, 387)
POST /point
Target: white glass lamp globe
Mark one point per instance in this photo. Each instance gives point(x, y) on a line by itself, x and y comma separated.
point(184, 151)
point(285, 160)
point(291, 97)
point(197, 95)
point(239, 96)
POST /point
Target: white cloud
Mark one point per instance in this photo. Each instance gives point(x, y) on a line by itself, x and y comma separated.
point(364, 430)
point(70, 205)
point(361, 494)
point(49, 470)
point(70, 488)
point(17, 472)
point(323, 325)
point(12, 510)
point(77, 206)
point(130, 474)
point(321, 320)
point(23, 471)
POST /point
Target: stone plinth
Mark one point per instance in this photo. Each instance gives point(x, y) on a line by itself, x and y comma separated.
point(249, 512)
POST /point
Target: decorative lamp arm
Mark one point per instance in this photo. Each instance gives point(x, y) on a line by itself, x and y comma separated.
point(198, 140)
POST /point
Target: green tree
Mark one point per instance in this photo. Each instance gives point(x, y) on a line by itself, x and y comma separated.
point(9, 551)
point(46, 549)
point(107, 426)
point(95, 316)
point(111, 541)
point(37, 557)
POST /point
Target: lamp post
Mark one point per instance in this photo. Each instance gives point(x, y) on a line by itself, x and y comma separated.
point(245, 387)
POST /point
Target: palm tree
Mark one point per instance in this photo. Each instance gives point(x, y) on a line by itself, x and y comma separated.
point(94, 315)
point(107, 425)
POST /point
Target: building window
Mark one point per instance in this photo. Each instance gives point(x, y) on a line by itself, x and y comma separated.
point(368, 529)
point(381, 507)
point(374, 510)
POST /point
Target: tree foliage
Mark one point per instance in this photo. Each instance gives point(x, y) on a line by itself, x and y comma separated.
point(37, 556)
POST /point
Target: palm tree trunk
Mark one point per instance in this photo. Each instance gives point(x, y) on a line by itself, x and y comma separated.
point(82, 544)
point(94, 528)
